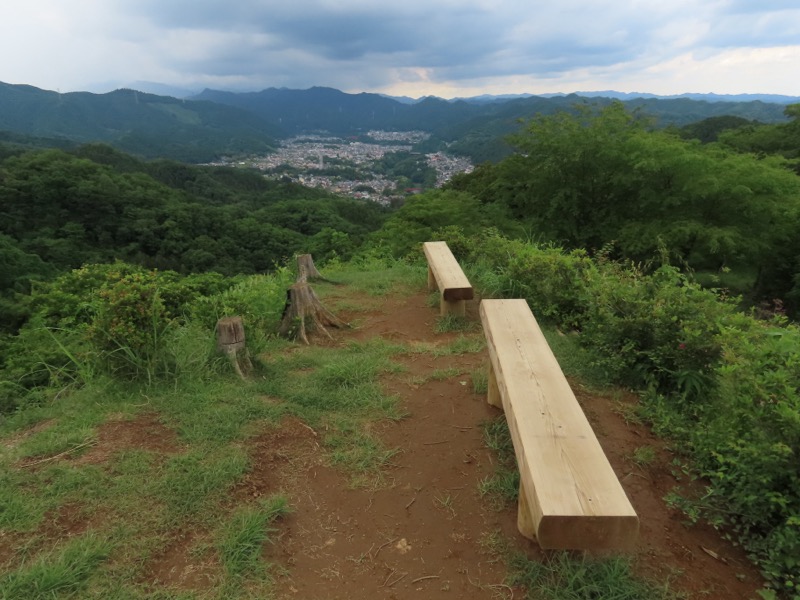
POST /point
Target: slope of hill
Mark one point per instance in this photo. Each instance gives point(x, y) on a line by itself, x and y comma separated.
point(143, 124)
point(331, 110)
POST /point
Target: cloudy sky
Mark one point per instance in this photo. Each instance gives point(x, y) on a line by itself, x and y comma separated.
point(446, 48)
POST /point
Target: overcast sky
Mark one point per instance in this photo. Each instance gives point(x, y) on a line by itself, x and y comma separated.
point(446, 48)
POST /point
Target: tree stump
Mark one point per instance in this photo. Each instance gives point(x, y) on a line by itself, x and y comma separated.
point(306, 266)
point(302, 304)
point(231, 341)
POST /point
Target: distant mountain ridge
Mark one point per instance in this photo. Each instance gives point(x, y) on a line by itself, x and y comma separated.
point(321, 108)
point(769, 98)
point(140, 123)
point(215, 123)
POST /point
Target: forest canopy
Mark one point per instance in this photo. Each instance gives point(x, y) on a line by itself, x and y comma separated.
point(62, 210)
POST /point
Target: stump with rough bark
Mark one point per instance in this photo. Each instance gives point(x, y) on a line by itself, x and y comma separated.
point(231, 341)
point(306, 266)
point(304, 312)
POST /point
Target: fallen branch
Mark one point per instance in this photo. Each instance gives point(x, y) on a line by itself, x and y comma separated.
point(59, 455)
point(396, 580)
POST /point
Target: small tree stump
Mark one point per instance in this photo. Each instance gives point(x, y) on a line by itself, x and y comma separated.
point(302, 304)
point(231, 341)
point(306, 266)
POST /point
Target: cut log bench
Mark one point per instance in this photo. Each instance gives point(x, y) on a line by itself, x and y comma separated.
point(569, 496)
point(445, 274)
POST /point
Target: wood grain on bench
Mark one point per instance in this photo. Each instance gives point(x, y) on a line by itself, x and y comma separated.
point(570, 497)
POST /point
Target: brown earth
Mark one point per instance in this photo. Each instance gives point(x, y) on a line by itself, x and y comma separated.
point(421, 530)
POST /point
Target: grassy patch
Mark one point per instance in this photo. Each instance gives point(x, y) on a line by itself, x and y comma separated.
point(644, 457)
point(242, 536)
point(574, 360)
point(62, 572)
point(196, 481)
point(354, 448)
point(378, 277)
point(480, 380)
point(574, 576)
point(501, 488)
point(450, 323)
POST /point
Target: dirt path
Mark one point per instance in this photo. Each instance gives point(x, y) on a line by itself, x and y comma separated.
point(418, 534)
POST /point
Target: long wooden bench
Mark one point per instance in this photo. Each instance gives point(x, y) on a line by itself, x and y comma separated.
point(569, 497)
point(445, 274)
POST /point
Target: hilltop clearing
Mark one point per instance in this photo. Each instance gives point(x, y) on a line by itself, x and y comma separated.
point(355, 468)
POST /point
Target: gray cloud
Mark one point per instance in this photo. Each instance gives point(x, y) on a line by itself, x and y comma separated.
point(419, 34)
point(360, 44)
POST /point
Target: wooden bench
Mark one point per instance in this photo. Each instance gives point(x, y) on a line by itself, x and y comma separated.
point(445, 274)
point(569, 497)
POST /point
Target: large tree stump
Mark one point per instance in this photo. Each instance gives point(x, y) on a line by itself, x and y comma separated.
point(304, 311)
point(306, 266)
point(231, 341)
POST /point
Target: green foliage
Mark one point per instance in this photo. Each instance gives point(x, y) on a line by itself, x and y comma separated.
point(130, 327)
point(423, 216)
point(647, 332)
point(62, 573)
point(708, 130)
point(258, 299)
point(143, 124)
point(782, 139)
point(132, 323)
point(605, 181)
point(411, 169)
point(63, 210)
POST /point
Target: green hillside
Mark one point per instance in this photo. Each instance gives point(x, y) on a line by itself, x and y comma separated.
point(143, 124)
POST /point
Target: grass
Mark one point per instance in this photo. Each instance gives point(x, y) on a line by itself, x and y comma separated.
point(450, 323)
point(445, 502)
point(480, 380)
point(144, 499)
point(644, 457)
point(62, 571)
point(501, 488)
point(575, 361)
point(463, 344)
point(435, 375)
point(575, 576)
point(242, 536)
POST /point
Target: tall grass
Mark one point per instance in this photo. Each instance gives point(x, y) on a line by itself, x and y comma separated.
point(242, 536)
point(62, 572)
point(575, 576)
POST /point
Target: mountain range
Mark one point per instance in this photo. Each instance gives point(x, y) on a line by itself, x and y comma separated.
point(216, 123)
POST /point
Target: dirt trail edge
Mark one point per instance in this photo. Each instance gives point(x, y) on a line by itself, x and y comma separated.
point(422, 532)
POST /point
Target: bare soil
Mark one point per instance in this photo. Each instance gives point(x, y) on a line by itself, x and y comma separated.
point(420, 530)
